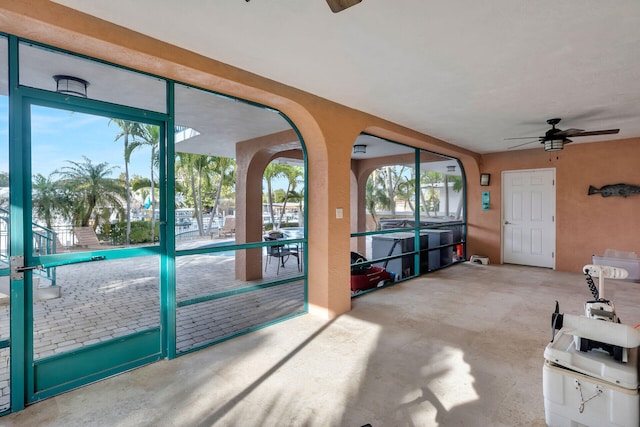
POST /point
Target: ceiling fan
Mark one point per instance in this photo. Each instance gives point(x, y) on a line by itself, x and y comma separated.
point(554, 139)
point(340, 5)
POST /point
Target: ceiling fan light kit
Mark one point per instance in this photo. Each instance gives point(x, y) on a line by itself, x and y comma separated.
point(553, 145)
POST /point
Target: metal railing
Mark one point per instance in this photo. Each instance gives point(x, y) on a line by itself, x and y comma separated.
point(4, 238)
point(44, 243)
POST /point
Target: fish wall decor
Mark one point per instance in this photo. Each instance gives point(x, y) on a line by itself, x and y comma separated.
point(623, 190)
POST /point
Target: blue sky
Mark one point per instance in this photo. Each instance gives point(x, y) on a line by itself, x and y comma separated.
point(59, 135)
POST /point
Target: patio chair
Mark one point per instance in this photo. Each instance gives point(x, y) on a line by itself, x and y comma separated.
point(228, 229)
point(87, 238)
point(281, 252)
point(60, 248)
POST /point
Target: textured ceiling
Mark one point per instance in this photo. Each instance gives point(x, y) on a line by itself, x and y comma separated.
point(468, 72)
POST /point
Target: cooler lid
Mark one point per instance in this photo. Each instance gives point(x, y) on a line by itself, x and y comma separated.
point(596, 363)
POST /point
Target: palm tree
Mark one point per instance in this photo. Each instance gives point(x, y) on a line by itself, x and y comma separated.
point(271, 172)
point(293, 175)
point(128, 130)
point(49, 199)
point(376, 195)
point(4, 190)
point(432, 201)
point(225, 169)
point(388, 183)
point(405, 189)
point(193, 169)
point(92, 189)
point(297, 196)
point(458, 186)
point(150, 136)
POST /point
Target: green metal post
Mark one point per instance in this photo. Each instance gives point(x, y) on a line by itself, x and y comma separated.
point(167, 228)
point(16, 231)
point(416, 216)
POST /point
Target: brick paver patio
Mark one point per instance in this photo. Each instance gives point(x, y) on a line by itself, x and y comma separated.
point(108, 299)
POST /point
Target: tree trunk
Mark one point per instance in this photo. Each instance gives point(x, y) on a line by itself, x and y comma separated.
point(284, 205)
point(199, 207)
point(193, 192)
point(446, 196)
point(153, 204)
point(270, 201)
point(423, 201)
point(127, 189)
point(216, 202)
point(391, 192)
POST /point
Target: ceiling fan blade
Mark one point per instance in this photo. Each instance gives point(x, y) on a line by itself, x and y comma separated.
point(340, 5)
point(520, 145)
point(523, 137)
point(569, 132)
point(597, 132)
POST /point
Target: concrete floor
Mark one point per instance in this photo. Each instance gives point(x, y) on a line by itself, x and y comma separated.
point(459, 347)
point(99, 302)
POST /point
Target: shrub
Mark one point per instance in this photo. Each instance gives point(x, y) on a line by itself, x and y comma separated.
point(140, 232)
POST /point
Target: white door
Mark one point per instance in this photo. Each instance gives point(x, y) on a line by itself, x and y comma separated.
point(528, 217)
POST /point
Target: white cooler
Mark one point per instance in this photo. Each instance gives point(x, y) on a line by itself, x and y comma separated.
point(589, 388)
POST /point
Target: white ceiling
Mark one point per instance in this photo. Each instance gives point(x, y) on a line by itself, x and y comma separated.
point(468, 72)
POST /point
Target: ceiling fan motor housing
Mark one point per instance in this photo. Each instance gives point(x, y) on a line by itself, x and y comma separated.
point(340, 5)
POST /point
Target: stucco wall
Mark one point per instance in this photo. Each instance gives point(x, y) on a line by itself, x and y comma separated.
point(585, 225)
point(328, 129)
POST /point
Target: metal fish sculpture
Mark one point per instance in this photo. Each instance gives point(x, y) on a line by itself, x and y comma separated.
point(623, 190)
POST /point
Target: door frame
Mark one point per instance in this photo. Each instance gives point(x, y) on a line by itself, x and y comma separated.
point(32, 380)
point(502, 211)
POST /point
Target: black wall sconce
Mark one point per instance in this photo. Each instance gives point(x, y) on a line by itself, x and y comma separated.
point(359, 149)
point(70, 85)
point(485, 179)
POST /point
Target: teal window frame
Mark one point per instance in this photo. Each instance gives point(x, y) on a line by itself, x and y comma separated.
point(416, 230)
point(21, 331)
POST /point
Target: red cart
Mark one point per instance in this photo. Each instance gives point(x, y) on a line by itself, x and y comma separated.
point(365, 277)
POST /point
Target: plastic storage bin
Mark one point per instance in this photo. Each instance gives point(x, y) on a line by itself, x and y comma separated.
point(588, 388)
point(627, 260)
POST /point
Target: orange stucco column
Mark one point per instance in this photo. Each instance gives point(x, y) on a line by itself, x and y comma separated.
point(252, 157)
point(358, 206)
point(249, 169)
point(329, 211)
